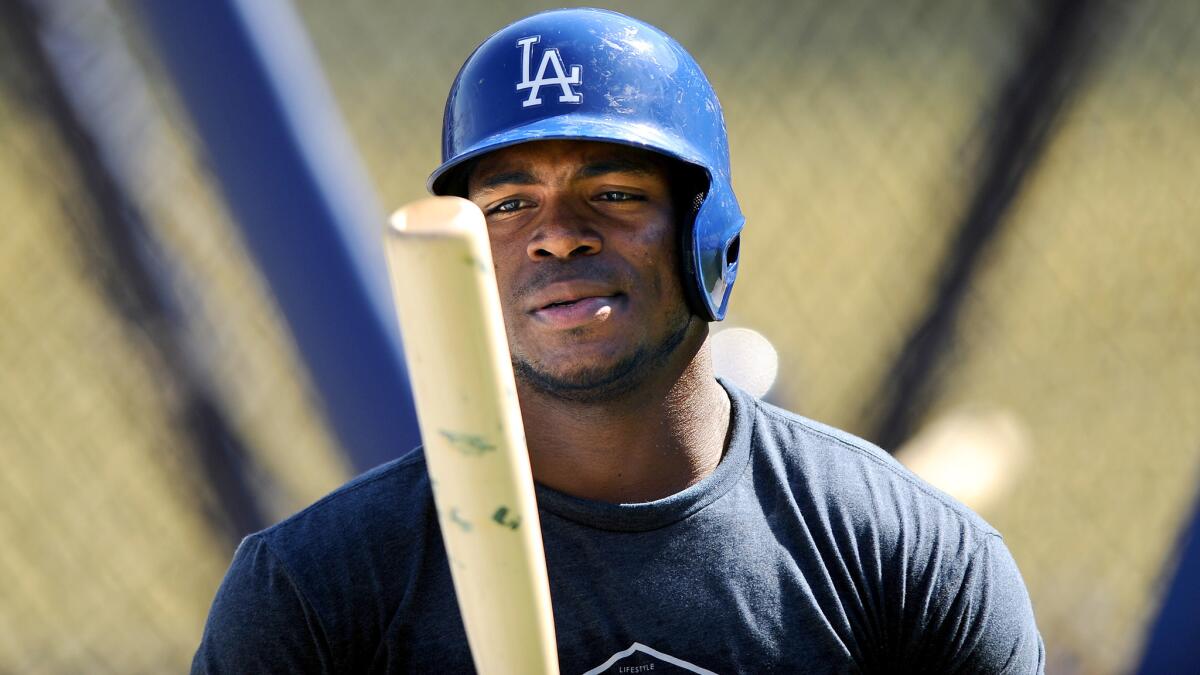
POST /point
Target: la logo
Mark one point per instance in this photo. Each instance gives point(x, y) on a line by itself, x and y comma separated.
point(552, 61)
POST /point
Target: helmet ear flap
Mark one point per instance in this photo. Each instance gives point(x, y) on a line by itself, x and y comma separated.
point(689, 187)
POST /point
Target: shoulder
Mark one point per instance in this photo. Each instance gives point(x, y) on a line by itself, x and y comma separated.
point(374, 530)
point(379, 500)
point(879, 528)
point(406, 472)
point(861, 508)
point(843, 473)
point(297, 593)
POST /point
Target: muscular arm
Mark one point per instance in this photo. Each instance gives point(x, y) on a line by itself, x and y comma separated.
point(984, 621)
point(259, 621)
point(1003, 636)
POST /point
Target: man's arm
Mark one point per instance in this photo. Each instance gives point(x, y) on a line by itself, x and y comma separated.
point(259, 621)
point(989, 625)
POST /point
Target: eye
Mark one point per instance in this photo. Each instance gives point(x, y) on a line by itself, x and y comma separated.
point(508, 206)
point(618, 196)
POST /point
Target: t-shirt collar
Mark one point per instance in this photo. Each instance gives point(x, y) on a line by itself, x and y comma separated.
point(646, 516)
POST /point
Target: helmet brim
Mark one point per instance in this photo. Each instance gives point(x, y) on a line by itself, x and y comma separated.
point(567, 127)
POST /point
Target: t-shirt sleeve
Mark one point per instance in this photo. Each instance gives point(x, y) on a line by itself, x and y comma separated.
point(991, 619)
point(259, 621)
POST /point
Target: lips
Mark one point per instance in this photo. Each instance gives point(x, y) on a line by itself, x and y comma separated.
point(577, 313)
point(566, 305)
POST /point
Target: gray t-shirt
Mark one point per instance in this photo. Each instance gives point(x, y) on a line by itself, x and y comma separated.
point(806, 551)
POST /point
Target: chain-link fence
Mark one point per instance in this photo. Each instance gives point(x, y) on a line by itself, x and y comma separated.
point(141, 360)
point(1013, 179)
point(951, 206)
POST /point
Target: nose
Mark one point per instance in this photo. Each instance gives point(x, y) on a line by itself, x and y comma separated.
point(563, 233)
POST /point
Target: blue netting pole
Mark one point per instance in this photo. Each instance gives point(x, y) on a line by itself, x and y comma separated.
point(1173, 643)
point(251, 83)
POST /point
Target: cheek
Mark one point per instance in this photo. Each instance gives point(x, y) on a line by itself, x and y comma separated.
point(503, 263)
point(658, 258)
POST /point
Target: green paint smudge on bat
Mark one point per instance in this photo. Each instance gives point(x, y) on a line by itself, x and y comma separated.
point(459, 520)
point(472, 261)
point(472, 445)
point(501, 517)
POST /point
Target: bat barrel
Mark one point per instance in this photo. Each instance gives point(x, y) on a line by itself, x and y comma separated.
point(438, 215)
point(444, 285)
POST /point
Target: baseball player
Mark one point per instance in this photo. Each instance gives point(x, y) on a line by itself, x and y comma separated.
point(688, 526)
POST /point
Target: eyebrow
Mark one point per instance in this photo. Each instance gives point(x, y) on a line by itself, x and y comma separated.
point(506, 178)
point(614, 165)
point(590, 170)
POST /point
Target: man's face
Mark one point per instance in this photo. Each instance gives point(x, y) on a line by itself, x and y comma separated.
point(584, 241)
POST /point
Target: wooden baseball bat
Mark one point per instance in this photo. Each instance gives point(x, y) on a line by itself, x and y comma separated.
point(444, 289)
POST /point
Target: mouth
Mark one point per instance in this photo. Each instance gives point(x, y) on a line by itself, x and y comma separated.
point(567, 302)
point(576, 312)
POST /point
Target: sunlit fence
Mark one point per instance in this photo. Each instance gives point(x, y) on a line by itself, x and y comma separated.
point(955, 211)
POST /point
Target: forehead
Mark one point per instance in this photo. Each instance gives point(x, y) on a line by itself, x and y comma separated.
point(542, 157)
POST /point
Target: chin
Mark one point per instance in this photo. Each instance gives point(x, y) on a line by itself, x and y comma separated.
point(606, 376)
point(583, 385)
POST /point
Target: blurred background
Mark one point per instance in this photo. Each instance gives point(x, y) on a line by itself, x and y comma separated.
point(973, 237)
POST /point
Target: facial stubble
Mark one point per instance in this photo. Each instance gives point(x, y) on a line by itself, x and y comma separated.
point(606, 382)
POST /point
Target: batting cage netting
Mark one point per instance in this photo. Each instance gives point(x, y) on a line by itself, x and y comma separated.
point(965, 221)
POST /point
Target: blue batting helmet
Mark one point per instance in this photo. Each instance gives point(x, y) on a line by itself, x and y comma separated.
point(592, 74)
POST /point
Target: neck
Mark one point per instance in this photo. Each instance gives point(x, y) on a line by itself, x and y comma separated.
point(649, 443)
